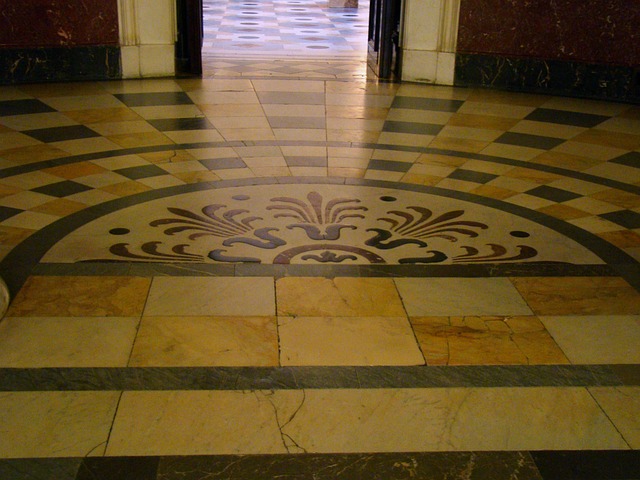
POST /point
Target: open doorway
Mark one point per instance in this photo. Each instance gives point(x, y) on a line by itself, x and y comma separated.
point(301, 38)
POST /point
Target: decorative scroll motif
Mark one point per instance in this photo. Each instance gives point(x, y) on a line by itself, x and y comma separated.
point(318, 230)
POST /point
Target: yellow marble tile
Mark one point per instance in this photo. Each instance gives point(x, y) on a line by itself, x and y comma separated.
point(209, 296)
point(608, 138)
point(27, 342)
point(167, 156)
point(564, 212)
point(622, 406)
point(196, 177)
point(76, 170)
point(206, 341)
point(486, 341)
point(33, 154)
point(482, 121)
point(12, 236)
point(565, 160)
point(350, 421)
point(99, 115)
point(80, 297)
point(124, 189)
point(351, 111)
point(459, 144)
point(578, 295)
point(622, 238)
point(196, 422)
point(597, 339)
point(618, 197)
point(493, 192)
point(60, 207)
point(131, 140)
point(340, 296)
point(532, 175)
point(347, 341)
point(55, 424)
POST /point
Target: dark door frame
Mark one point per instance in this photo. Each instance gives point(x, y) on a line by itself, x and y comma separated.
point(190, 37)
point(385, 49)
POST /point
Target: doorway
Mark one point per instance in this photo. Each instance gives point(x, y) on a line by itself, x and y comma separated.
point(296, 37)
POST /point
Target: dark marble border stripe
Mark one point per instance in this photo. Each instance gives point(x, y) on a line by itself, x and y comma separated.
point(296, 378)
point(20, 262)
point(536, 465)
point(556, 77)
point(487, 270)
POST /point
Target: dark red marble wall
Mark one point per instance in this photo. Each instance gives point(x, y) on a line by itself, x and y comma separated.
point(592, 31)
point(58, 23)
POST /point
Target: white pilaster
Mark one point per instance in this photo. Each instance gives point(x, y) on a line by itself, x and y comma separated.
point(429, 40)
point(147, 37)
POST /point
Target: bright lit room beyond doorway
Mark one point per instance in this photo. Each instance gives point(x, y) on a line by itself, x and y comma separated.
point(285, 38)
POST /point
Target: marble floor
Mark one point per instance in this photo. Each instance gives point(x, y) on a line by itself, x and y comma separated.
point(253, 276)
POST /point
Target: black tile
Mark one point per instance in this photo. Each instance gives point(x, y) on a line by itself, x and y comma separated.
point(175, 124)
point(306, 161)
point(531, 141)
point(564, 117)
point(23, 107)
point(355, 466)
point(471, 176)
point(62, 189)
point(8, 212)
point(154, 99)
point(144, 171)
point(411, 127)
point(631, 159)
point(625, 218)
point(60, 134)
point(118, 468)
point(553, 194)
point(39, 468)
point(389, 165)
point(588, 465)
point(223, 163)
point(418, 103)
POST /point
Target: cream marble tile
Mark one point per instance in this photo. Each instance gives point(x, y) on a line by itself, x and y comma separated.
point(86, 145)
point(36, 120)
point(219, 296)
point(80, 297)
point(66, 342)
point(196, 423)
point(83, 102)
point(288, 86)
point(622, 406)
point(206, 341)
point(454, 419)
point(168, 111)
point(347, 341)
point(203, 97)
point(55, 424)
point(460, 296)
point(340, 296)
point(604, 339)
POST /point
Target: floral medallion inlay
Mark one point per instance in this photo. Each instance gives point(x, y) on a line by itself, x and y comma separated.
point(315, 224)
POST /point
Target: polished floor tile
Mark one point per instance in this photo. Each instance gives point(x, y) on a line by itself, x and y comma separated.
point(206, 341)
point(210, 276)
point(347, 341)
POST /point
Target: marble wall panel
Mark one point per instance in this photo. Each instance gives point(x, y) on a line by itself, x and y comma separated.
point(56, 23)
point(590, 31)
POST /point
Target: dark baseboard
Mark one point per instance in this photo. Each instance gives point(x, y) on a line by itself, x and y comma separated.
point(60, 64)
point(555, 77)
